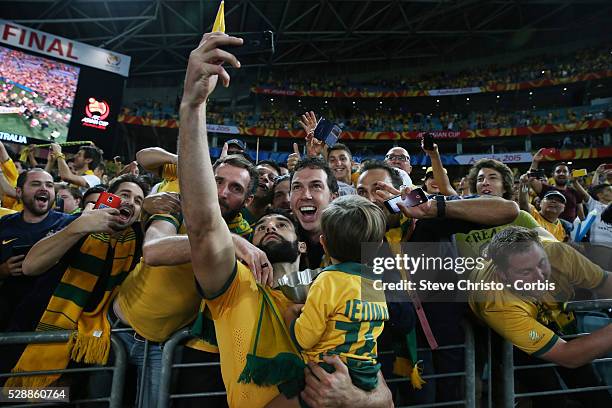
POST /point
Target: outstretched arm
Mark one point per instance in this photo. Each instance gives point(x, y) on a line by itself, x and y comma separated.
point(152, 158)
point(212, 250)
point(440, 176)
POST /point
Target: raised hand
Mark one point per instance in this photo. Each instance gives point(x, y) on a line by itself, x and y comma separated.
point(293, 157)
point(205, 67)
point(309, 123)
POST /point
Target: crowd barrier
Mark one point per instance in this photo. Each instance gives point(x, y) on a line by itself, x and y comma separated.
point(511, 395)
point(118, 367)
point(472, 396)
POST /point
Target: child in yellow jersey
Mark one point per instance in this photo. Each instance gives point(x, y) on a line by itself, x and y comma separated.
point(344, 314)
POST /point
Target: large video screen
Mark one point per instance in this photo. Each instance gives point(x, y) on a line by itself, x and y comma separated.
point(37, 95)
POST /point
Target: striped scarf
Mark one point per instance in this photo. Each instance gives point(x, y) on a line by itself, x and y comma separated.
point(95, 271)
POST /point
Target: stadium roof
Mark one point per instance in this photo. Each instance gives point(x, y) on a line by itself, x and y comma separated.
point(159, 34)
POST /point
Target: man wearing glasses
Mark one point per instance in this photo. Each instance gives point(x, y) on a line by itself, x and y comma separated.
point(399, 158)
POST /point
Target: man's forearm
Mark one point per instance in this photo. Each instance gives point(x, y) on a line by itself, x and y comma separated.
point(440, 176)
point(47, 252)
point(68, 176)
point(173, 250)
point(582, 350)
point(524, 197)
point(487, 211)
point(200, 203)
point(379, 397)
point(6, 188)
point(212, 250)
point(153, 158)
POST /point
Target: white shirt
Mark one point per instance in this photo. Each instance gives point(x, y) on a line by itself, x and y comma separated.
point(92, 180)
point(406, 180)
point(601, 232)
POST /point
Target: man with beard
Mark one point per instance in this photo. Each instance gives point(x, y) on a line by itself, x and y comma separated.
point(83, 265)
point(20, 231)
point(231, 293)
point(268, 171)
point(237, 182)
point(532, 317)
point(564, 183)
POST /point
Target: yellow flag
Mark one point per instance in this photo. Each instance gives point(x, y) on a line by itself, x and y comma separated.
point(219, 24)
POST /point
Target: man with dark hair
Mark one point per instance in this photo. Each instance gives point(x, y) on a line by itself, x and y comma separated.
point(85, 161)
point(229, 288)
point(19, 231)
point(340, 161)
point(92, 194)
point(80, 269)
point(491, 177)
point(313, 186)
point(71, 199)
point(280, 192)
point(268, 171)
point(599, 198)
point(537, 278)
point(564, 183)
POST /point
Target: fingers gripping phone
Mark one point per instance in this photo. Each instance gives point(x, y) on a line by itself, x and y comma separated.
point(108, 200)
point(539, 173)
point(327, 132)
point(254, 43)
point(428, 141)
point(414, 198)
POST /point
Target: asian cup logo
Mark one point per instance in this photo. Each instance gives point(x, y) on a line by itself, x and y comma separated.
point(96, 112)
point(113, 59)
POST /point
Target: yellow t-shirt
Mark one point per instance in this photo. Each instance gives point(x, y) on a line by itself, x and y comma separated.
point(159, 300)
point(235, 311)
point(6, 211)
point(343, 315)
point(11, 174)
point(170, 182)
point(555, 229)
point(534, 326)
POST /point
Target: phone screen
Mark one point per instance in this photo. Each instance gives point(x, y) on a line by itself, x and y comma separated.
point(414, 198)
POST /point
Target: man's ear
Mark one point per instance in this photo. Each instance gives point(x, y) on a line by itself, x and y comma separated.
point(248, 200)
point(301, 247)
point(19, 192)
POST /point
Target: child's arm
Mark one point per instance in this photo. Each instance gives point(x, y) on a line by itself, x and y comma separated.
point(307, 329)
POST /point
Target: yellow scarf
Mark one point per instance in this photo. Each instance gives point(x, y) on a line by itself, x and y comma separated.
point(90, 341)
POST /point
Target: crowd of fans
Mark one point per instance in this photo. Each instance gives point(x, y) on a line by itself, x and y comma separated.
point(86, 249)
point(584, 61)
point(54, 82)
point(394, 119)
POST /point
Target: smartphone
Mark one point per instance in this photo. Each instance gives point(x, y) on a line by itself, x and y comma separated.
point(107, 200)
point(20, 250)
point(59, 204)
point(539, 173)
point(579, 173)
point(549, 151)
point(327, 132)
point(255, 43)
point(414, 198)
point(428, 141)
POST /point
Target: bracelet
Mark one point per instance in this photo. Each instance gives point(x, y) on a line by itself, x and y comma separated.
point(60, 156)
point(441, 206)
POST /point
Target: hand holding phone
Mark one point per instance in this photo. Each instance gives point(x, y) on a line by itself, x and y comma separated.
point(107, 200)
point(538, 173)
point(414, 198)
point(427, 141)
point(327, 132)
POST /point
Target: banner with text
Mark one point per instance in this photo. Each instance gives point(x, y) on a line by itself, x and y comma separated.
point(59, 47)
